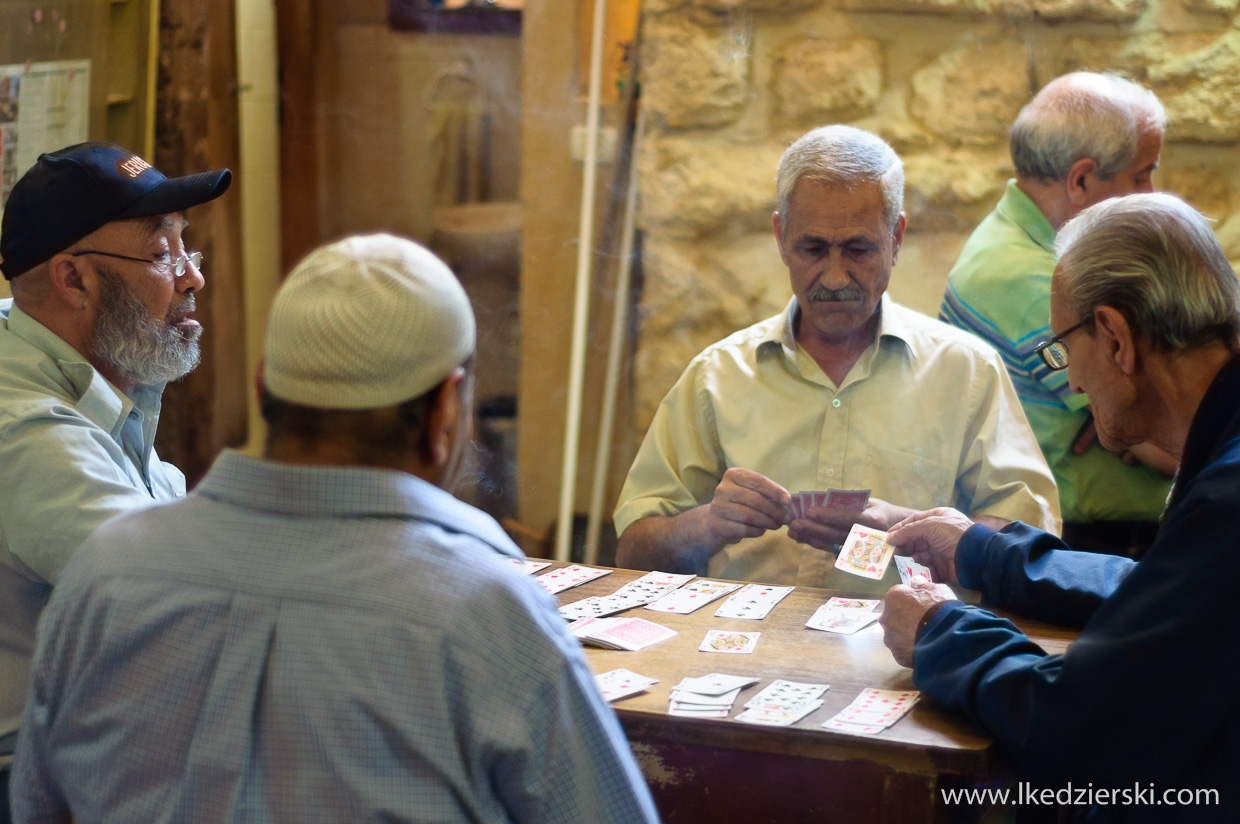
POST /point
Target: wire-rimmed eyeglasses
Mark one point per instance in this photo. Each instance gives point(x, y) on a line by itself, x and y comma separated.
point(178, 266)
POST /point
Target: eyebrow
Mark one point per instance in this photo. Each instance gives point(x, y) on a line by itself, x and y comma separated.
point(167, 222)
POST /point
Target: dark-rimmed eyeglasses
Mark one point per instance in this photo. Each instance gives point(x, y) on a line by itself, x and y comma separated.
point(178, 266)
point(1053, 353)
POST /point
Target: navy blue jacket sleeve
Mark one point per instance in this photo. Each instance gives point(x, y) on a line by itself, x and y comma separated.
point(1034, 573)
point(1146, 693)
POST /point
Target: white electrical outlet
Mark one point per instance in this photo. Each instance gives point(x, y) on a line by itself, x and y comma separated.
point(607, 139)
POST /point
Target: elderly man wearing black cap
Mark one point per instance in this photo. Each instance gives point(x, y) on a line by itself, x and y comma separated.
point(101, 318)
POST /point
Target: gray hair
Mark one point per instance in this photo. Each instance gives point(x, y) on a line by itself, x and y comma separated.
point(842, 154)
point(1156, 260)
point(1083, 115)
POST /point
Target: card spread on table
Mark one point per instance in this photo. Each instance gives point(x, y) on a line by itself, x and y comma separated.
point(527, 567)
point(717, 683)
point(620, 633)
point(911, 571)
point(782, 703)
point(865, 553)
point(692, 596)
point(621, 683)
point(873, 711)
point(843, 621)
point(736, 643)
point(558, 580)
point(708, 696)
point(636, 593)
point(753, 602)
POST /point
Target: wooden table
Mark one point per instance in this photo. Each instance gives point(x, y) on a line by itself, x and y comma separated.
point(722, 770)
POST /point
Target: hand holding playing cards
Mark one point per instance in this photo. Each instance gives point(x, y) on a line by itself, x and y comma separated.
point(931, 538)
point(825, 525)
point(746, 504)
point(902, 610)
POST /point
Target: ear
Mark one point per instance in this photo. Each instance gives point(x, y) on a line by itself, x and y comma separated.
point(897, 238)
point(443, 420)
point(778, 225)
point(1079, 183)
point(70, 283)
point(1116, 338)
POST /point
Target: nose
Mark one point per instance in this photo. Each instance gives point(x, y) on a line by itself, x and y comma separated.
point(191, 279)
point(835, 271)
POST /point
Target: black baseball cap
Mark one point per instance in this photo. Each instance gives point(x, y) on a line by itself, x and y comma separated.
point(70, 193)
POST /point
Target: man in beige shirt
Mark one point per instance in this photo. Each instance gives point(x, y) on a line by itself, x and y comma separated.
point(843, 389)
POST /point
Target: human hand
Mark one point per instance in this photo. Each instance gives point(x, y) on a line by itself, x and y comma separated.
point(1085, 437)
point(931, 538)
point(745, 505)
point(824, 526)
point(903, 607)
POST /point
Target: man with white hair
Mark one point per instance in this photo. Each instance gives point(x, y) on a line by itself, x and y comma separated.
point(324, 634)
point(1145, 317)
point(843, 389)
point(1084, 138)
point(102, 316)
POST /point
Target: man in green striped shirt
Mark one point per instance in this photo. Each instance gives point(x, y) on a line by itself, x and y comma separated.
point(1084, 138)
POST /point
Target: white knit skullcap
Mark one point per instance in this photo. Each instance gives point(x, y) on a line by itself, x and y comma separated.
point(367, 322)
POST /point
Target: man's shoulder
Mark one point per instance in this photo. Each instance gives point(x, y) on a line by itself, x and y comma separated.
point(742, 345)
point(932, 336)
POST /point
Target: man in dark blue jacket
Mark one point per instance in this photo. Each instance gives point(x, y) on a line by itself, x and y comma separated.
point(1140, 718)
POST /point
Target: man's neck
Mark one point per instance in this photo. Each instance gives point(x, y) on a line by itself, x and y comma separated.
point(1049, 199)
point(319, 453)
point(837, 356)
point(1180, 384)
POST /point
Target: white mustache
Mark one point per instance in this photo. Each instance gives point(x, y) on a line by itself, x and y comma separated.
point(822, 294)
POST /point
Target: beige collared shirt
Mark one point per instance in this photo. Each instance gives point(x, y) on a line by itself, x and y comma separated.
point(926, 417)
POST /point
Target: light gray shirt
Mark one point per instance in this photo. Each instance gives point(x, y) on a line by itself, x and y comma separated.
point(74, 451)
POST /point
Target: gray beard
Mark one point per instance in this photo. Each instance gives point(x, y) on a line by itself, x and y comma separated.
point(136, 345)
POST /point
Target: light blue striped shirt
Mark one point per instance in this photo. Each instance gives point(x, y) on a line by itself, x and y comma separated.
point(296, 644)
point(74, 451)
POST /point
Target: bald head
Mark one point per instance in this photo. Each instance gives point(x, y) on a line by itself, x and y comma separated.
point(1084, 115)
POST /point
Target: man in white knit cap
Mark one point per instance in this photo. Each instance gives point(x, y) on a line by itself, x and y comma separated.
point(324, 634)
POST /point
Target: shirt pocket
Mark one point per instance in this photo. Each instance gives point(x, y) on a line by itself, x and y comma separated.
point(909, 479)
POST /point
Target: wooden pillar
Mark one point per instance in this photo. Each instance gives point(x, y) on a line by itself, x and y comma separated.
point(196, 130)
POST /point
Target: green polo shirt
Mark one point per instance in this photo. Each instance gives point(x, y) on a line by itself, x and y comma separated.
point(1000, 290)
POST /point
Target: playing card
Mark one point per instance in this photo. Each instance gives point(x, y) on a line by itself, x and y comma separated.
point(585, 608)
point(716, 683)
point(779, 717)
point(864, 604)
point(704, 712)
point(621, 683)
point(850, 499)
point(911, 571)
point(753, 602)
point(852, 729)
point(878, 708)
point(735, 643)
point(844, 621)
point(692, 596)
point(628, 633)
point(785, 695)
point(526, 566)
point(865, 553)
point(558, 580)
point(696, 699)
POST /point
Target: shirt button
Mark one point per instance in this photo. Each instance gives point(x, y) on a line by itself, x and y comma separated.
point(830, 473)
point(836, 403)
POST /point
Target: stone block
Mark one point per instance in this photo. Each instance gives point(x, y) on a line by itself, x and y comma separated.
point(953, 191)
point(1201, 90)
point(1054, 10)
point(1204, 187)
point(717, 7)
point(973, 93)
point(827, 81)
point(696, 294)
point(694, 76)
point(693, 187)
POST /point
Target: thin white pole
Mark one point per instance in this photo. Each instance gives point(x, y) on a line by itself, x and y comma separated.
point(619, 323)
point(581, 302)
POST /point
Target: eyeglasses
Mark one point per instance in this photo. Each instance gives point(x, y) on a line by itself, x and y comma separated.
point(178, 266)
point(1053, 353)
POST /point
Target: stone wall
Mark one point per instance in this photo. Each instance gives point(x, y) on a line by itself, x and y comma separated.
point(729, 83)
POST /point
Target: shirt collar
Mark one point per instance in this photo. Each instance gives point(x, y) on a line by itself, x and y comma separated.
point(891, 326)
point(96, 398)
point(1018, 208)
point(346, 492)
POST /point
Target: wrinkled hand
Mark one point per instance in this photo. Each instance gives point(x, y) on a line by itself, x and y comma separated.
point(824, 526)
point(903, 607)
point(745, 505)
point(931, 538)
